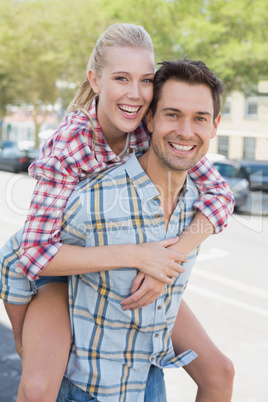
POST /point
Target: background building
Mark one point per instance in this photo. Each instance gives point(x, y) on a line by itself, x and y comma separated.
point(243, 131)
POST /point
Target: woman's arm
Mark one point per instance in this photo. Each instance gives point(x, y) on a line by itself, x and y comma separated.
point(199, 230)
point(216, 200)
point(65, 158)
point(154, 259)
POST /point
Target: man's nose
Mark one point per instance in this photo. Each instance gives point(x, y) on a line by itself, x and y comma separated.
point(185, 128)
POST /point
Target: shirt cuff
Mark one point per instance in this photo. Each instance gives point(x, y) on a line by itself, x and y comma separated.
point(15, 295)
point(215, 211)
point(34, 259)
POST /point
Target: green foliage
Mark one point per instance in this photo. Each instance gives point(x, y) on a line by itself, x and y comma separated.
point(43, 42)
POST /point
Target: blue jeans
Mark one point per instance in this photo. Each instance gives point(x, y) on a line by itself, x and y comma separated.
point(44, 280)
point(155, 390)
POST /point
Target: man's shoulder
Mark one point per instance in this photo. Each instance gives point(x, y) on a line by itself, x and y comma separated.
point(109, 176)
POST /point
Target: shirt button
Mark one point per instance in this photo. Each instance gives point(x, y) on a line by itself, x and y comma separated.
point(151, 359)
point(159, 307)
point(157, 216)
point(117, 159)
point(156, 335)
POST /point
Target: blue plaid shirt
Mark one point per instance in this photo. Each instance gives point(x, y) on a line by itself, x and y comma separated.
point(112, 349)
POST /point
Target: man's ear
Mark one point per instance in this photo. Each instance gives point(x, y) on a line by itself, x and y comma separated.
point(149, 121)
point(215, 125)
point(93, 81)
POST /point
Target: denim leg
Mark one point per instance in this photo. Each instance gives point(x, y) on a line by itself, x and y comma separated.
point(155, 390)
point(71, 393)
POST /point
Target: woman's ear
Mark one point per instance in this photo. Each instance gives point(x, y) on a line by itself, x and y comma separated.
point(93, 81)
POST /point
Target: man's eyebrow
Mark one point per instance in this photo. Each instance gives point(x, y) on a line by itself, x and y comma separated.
point(172, 109)
point(204, 113)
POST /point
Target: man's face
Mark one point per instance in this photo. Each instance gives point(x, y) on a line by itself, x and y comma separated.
point(182, 125)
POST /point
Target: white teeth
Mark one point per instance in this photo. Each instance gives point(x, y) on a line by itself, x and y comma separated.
point(129, 109)
point(181, 147)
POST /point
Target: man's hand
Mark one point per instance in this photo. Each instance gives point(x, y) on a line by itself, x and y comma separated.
point(145, 291)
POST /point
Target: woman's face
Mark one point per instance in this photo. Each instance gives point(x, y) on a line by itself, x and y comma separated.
point(125, 89)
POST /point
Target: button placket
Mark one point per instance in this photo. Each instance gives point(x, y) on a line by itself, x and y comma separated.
point(160, 318)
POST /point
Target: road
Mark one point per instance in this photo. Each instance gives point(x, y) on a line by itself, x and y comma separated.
point(227, 291)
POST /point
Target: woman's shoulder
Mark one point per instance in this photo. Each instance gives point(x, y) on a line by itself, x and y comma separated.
point(74, 131)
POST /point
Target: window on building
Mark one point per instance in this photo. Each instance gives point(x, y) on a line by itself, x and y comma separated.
point(223, 145)
point(249, 148)
point(226, 112)
point(251, 107)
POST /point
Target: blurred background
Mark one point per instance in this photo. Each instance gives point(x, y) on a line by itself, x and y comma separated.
point(44, 49)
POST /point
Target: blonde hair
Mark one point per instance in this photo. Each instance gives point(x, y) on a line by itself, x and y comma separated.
point(117, 35)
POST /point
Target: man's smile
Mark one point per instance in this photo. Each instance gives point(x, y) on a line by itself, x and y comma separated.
point(184, 148)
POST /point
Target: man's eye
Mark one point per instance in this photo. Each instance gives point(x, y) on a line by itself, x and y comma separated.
point(199, 118)
point(171, 115)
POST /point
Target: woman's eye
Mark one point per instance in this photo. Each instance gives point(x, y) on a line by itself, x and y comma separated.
point(148, 80)
point(120, 79)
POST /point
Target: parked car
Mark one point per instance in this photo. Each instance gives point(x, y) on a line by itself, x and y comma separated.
point(258, 174)
point(237, 178)
point(14, 160)
point(7, 144)
point(215, 157)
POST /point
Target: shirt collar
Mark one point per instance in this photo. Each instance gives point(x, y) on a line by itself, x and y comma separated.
point(144, 186)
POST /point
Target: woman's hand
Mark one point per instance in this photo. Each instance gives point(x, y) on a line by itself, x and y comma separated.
point(159, 262)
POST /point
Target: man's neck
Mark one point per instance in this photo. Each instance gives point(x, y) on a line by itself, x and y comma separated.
point(168, 182)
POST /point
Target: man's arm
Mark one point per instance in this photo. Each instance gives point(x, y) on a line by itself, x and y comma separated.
point(16, 314)
point(146, 289)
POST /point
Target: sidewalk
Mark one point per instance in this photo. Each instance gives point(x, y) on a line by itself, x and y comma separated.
point(10, 362)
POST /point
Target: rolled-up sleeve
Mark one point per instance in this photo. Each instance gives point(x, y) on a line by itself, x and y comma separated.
point(216, 200)
point(14, 288)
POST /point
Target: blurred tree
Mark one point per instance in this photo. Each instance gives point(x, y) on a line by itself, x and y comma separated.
point(45, 44)
point(32, 64)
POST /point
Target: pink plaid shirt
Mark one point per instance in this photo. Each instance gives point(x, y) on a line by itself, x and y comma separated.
point(71, 154)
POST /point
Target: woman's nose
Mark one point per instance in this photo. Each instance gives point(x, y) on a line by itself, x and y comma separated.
point(134, 91)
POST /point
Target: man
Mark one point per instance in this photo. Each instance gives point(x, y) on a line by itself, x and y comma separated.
point(146, 199)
